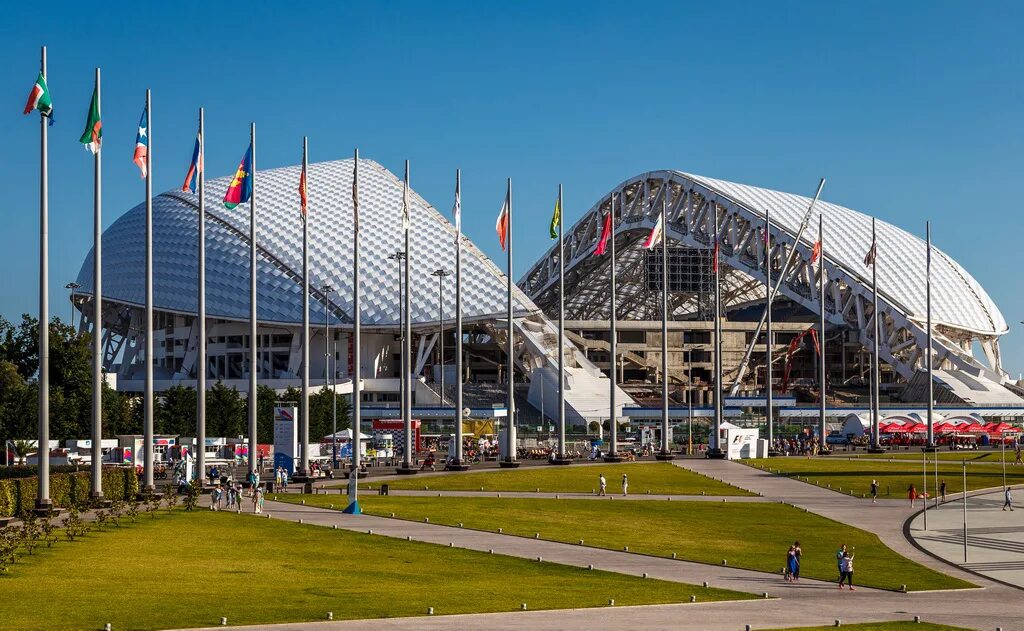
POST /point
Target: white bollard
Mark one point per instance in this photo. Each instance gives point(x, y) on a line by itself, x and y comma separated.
point(540, 559)
point(300, 521)
point(430, 611)
point(106, 627)
point(490, 550)
point(644, 575)
point(625, 548)
point(330, 615)
point(839, 623)
point(693, 599)
point(611, 602)
point(673, 555)
point(764, 594)
point(705, 584)
point(590, 566)
point(522, 606)
point(917, 619)
point(223, 621)
point(581, 542)
point(334, 526)
point(451, 545)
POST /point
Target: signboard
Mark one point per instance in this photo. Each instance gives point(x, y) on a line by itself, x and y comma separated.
point(286, 436)
point(397, 429)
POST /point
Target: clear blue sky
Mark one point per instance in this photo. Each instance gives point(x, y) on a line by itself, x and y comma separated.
point(912, 109)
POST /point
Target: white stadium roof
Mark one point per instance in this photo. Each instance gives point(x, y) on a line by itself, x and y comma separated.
point(279, 241)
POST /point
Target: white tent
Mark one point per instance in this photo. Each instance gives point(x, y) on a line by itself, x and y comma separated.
point(344, 436)
point(855, 425)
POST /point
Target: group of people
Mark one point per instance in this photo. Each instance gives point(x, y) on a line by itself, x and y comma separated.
point(797, 446)
point(602, 485)
point(844, 565)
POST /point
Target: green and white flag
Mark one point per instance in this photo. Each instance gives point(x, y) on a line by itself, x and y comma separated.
point(39, 99)
point(556, 218)
point(93, 134)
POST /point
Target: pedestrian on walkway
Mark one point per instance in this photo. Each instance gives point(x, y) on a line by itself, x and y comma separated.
point(1007, 499)
point(797, 553)
point(625, 485)
point(874, 491)
point(787, 569)
point(238, 496)
point(912, 494)
point(1018, 454)
point(942, 490)
point(602, 484)
point(839, 561)
point(256, 506)
point(846, 571)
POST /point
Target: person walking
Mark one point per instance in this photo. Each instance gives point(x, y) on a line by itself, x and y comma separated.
point(602, 484)
point(912, 494)
point(1016, 452)
point(847, 571)
point(625, 485)
point(256, 500)
point(238, 496)
point(942, 490)
point(1007, 499)
point(874, 491)
point(839, 562)
point(797, 553)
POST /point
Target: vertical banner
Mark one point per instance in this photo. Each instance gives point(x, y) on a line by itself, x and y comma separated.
point(286, 436)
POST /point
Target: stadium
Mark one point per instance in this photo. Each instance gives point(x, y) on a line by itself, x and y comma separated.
point(965, 316)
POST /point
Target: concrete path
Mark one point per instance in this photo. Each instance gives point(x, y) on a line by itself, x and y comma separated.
point(995, 538)
point(535, 496)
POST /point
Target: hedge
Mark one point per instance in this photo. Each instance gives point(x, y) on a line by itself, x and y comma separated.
point(18, 495)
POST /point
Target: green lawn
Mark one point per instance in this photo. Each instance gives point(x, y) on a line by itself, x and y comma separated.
point(952, 456)
point(656, 477)
point(894, 478)
point(189, 569)
point(748, 535)
point(883, 626)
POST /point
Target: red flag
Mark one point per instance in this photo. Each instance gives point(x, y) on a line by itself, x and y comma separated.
point(816, 252)
point(714, 263)
point(302, 192)
point(606, 232)
point(501, 225)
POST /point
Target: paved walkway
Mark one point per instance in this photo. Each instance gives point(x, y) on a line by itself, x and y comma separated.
point(995, 538)
point(535, 496)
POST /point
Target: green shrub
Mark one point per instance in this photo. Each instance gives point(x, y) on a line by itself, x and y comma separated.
point(6, 498)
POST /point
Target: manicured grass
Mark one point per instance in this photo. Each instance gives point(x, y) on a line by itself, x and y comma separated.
point(883, 626)
point(894, 478)
point(656, 477)
point(189, 569)
point(984, 455)
point(749, 535)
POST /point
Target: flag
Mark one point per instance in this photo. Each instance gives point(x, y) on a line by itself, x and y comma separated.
point(457, 209)
point(240, 189)
point(142, 142)
point(355, 193)
point(93, 134)
point(405, 207)
point(714, 260)
point(869, 258)
point(556, 218)
point(195, 167)
point(816, 251)
point(39, 99)
point(654, 238)
point(302, 192)
point(606, 232)
point(501, 226)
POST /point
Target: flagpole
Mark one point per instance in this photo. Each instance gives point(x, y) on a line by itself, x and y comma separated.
point(96, 492)
point(613, 425)
point(200, 472)
point(353, 507)
point(510, 433)
point(875, 368)
point(928, 308)
point(458, 464)
point(561, 459)
point(253, 334)
point(664, 453)
point(822, 374)
point(304, 411)
point(407, 467)
point(43, 502)
point(716, 450)
point(769, 403)
point(147, 448)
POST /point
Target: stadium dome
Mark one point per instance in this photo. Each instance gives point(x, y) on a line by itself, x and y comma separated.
point(279, 249)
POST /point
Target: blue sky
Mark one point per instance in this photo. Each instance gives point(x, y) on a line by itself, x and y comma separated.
point(912, 110)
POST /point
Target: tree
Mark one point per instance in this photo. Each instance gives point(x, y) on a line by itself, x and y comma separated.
point(320, 414)
point(265, 400)
point(12, 395)
point(20, 344)
point(178, 410)
point(225, 412)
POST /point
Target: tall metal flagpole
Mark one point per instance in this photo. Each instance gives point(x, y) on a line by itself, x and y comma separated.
point(304, 411)
point(147, 448)
point(357, 396)
point(875, 368)
point(458, 464)
point(769, 403)
point(510, 432)
point(822, 374)
point(663, 452)
point(928, 308)
point(714, 446)
point(561, 459)
point(201, 360)
point(253, 359)
point(96, 492)
point(43, 502)
point(613, 425)
point(407, 467)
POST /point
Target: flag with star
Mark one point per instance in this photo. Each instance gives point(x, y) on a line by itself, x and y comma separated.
point(240, 188)
point(142, 142)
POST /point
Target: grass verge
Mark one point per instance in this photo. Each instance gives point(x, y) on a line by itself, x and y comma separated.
point(747, 535)
point(189, 569)
point(660, 478)
point(901, 625)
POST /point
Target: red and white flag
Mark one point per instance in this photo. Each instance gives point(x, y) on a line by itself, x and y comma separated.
point(303, 199)
point(655, 237)
point(816, 251)
point(457, 209)
point(501, 225)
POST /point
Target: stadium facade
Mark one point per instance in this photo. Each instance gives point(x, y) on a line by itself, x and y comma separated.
point(962, 310)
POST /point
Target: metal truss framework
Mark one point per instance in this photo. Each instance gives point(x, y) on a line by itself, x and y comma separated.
point(692, 209)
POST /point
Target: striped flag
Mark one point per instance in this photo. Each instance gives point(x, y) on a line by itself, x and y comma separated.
point(869, 258)
point(606, 232)
point(501, 225)
point(303, 199)
point(93, 134)
point(714, 260)
point(240, 189)
point(457, 209)
point(816, 251)
point(142, 142)
point(39, 99)
point(195, 167)
point(655, 237)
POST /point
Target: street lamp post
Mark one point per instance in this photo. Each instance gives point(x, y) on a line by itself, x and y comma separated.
point(441, 275)
point(327, 372)
point(73, 286)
